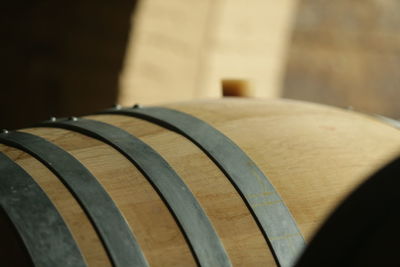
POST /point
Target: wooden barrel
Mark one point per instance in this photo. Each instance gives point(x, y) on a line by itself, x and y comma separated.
point(212, 183)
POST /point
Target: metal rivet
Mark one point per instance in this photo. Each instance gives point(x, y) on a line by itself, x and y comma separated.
point(53, 118)
point(116, 106)
point(4, 131)
point(136, 106)
point(73, 118)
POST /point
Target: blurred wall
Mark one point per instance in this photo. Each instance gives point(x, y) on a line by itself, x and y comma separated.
point(346, 53)
point(183, 49)
point(166, 51)
point(249, 42)
point(64, 58)
point(60, 58)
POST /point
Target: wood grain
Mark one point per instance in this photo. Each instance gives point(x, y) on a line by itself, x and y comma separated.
point(75, 218)
point(314, 155)
point(151, 222)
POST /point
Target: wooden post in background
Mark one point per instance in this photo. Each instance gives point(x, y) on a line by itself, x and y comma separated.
point(183, 49)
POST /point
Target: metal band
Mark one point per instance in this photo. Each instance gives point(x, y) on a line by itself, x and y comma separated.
point(112, 228)
point(268, 209)
point(392, 122)
point(44, 233)
point(198, 230)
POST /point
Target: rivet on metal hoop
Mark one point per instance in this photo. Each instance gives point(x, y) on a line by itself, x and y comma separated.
point(53, 119)
point(4, 131)
point(73, 118)
point(136, 106)
point(117, 106)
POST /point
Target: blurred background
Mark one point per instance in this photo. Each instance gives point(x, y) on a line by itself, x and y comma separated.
point(71, 58)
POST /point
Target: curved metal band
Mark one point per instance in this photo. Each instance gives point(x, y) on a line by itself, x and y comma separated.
point(204, 241)
point(111, 226)
point(390, 121)
point(44, 233)
point(268, 209)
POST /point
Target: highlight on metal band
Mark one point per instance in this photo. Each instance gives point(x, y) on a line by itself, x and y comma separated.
point(195, 225)
point(390, 121)
point(43, 231)
point(111, 226)
point(268, 209)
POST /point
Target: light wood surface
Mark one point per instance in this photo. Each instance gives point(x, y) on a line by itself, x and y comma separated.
point(314, 155)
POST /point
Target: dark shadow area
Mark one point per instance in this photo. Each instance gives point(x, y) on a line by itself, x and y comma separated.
point(12, 248)
point(60, 58)
point(363, 230)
